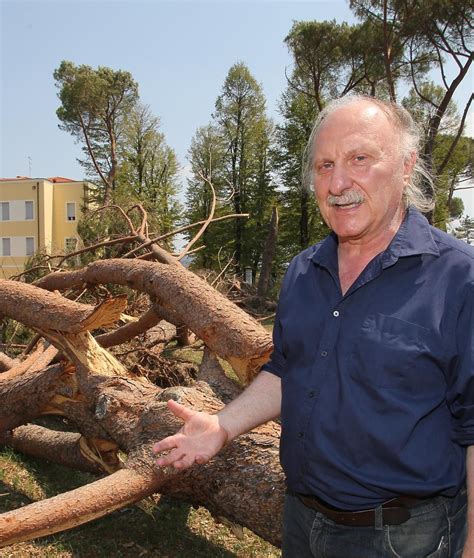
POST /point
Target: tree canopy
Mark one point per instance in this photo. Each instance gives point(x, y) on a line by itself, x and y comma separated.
point(126, 156)
point(242, 165)
point(94, 106)
point(232, 153)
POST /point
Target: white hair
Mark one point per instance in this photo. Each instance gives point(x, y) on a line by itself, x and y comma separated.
point(410, 136)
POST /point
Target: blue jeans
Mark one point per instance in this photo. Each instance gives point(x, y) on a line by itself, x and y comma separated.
point(436, 529)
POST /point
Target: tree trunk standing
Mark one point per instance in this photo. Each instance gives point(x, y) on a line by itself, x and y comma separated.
point(238, 233)
point(436, 120)
point(268, 255)
point(105, 180)
point(237, 192)
point(244, 202)
point(113, 160)
point(454, 143)
point(387, 54)
point(317, 92)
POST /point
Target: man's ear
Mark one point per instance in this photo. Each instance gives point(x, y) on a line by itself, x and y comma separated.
point(408, 166)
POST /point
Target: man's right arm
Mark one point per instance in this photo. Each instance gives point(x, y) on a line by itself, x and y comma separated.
point(203, 435)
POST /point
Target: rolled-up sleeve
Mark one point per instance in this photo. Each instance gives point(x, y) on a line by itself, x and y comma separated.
point(460, 395)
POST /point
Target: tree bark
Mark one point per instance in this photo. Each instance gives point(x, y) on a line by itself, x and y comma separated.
point(243, 483)
point(225, 328)
point(63, 448)
point(24, 396)
point(268, 255)
point(46, 310)
point(115, 410)
point(129, 331)
point(73, 508)
point(6, 362)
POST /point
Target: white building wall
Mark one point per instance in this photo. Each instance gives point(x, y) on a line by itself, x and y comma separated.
point(18, 210)
point(17, 245)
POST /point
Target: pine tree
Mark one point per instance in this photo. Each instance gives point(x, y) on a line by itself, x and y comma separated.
point(233, 153)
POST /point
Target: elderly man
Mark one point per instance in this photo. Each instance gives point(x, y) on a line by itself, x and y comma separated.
point(373, 362)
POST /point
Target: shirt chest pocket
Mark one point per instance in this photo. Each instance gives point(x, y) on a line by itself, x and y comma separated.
point(389, 353)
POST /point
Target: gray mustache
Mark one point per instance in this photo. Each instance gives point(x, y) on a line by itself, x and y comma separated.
point(346, 198)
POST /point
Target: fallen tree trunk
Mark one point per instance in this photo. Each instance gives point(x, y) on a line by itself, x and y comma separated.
point(72, 508)
point(115, 410)
point(225, 329)
point(130, 330)
point(52, 311)
point(6, 362)
point(23, 397)
point(63, 448)
point(243, 483)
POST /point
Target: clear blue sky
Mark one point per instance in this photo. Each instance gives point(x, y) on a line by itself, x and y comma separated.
point(178, 52)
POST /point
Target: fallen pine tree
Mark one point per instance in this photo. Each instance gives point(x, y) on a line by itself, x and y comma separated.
point(119, 414)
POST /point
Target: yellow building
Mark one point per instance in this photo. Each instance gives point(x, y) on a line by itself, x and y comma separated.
point(37, 214)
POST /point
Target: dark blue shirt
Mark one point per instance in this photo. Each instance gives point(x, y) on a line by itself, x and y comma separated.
point(377, 384)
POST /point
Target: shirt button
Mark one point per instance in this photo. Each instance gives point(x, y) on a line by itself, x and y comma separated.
point(335, 313)
point(300, 434)
point(311, 394)
point(324, 353)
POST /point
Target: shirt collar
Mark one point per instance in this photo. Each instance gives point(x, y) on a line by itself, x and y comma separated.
point(412, 238)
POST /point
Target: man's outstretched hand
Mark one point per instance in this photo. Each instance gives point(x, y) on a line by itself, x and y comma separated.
point(199, 439)
point(203, 435)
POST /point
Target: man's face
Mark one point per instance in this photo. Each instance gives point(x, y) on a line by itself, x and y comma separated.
point(359, 174)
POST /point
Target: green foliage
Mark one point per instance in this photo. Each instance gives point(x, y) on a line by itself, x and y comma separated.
point(207, 156)
point(127, 158)
point(94, 227)
point(451, 169)
point(465, 230)
point(94, 105)
point(456, 208)
point(456, 173)
point(92, 95)
point(36, 266)
point(396, 41)
point(300, 221)
point(233, 153)
point(331, 59)
point(246, 131)
point(422, 104)
point(149, 171)
point(14, 333)
point(431, 32)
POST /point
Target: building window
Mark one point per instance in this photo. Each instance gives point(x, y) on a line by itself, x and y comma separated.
point(5, 211)
point(6, 247)
point(29, 210)
point(30, 246)
point(70, 245)
point(71, 211)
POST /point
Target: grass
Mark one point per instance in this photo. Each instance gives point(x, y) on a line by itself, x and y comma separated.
point(166, 529)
